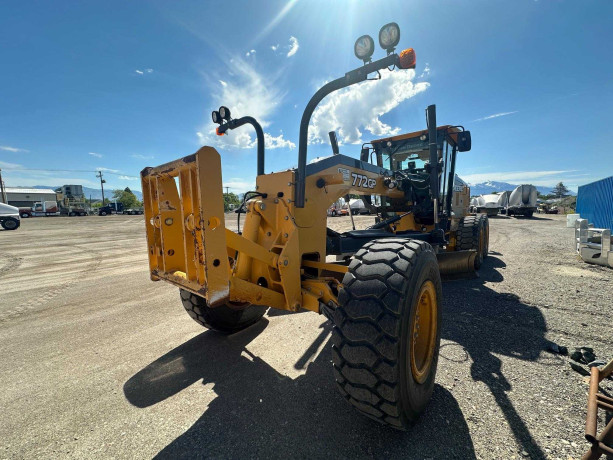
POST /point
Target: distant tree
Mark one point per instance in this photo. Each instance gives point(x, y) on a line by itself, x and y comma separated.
point(127, 198)
point(230, 201)
point(560, 190)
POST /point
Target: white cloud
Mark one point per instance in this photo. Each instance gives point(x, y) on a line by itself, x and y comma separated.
point(239, 185)
point(223, 83)
point(94, 154)
point(249, 53)
point(4, 164)
point(496, 115)
point(272, 142)
point(293, 46)
point(351, 111)
point(247, 92)
point(8, 148)
point(140, 72)
point(99, 168)
point(516, 177)
point(426, 71)
point(138, 156)
point(275, 47)
point(144, 71)
point(128, 178)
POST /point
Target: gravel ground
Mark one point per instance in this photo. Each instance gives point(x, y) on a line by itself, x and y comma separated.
point(99, 361)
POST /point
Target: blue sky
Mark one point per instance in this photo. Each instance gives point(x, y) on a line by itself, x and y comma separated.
point(124, 85)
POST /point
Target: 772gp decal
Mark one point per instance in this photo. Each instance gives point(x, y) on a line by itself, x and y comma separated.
point(360, 180)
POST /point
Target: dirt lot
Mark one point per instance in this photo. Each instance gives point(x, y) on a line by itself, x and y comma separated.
point(99, 361)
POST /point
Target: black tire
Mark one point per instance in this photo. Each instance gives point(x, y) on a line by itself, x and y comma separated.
point(470, 231)
point(371, 351)
point(485, 221)
point(529, 213)
point(103, 213)
point(224, 318)
point(10, 223)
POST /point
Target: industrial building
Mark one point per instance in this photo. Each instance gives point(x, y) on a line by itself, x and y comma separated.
point(595, 202)
point(26, 197)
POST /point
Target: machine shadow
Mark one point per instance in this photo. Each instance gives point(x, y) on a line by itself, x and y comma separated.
point(260, 413)
point(487, 323)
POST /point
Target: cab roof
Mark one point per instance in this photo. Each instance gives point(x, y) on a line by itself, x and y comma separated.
point(450, 129)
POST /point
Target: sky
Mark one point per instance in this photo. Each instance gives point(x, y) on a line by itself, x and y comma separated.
point(118, 86)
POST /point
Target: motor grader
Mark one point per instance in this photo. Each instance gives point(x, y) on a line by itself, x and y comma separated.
point(381, 286)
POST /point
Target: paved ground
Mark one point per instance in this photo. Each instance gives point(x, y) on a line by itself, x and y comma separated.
point(99, 361)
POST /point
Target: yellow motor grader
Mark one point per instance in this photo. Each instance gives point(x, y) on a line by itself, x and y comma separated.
point(381, 286)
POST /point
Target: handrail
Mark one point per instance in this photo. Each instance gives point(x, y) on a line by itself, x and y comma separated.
point(235, 123)
point(355, 76)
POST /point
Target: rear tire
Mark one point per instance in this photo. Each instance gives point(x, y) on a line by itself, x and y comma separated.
point(485, 222)
point(382, 366)
point(224, 318)
point(472, 234)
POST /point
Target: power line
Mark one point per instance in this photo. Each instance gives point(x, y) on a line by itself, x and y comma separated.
point(70, 170)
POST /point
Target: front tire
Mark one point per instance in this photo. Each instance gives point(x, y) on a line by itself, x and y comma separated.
point(382, 365)
point(225, 318)
point(10, 223)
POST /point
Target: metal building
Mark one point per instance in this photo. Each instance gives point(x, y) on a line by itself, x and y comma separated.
point(595, 202)
point(26, 197)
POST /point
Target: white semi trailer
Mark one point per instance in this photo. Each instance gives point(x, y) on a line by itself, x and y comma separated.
point(522, 201)
point(487, 204)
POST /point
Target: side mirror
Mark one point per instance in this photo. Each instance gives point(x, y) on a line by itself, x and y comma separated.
point(464, 142)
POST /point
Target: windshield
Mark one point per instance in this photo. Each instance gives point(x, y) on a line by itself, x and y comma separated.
point(403, 161)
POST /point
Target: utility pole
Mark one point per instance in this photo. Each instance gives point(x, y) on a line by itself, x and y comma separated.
point(3, 198)
point(102, 182)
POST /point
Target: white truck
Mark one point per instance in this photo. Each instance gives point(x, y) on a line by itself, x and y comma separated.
point(41, 209)
point(9, 217)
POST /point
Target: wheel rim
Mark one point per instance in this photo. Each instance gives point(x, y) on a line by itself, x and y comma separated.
point(10, 225)
point(423, 332)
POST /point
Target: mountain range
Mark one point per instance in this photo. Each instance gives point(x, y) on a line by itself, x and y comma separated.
point(94, 193)
point(490, 186)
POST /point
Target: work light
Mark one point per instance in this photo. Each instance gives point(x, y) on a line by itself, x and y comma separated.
point(364, 47)
point(224, 112)
point(216, 117)
point(389, 36)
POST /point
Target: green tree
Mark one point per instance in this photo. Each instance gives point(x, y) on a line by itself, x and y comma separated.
point(230, 201)
point(127, 198)
point(560, 190)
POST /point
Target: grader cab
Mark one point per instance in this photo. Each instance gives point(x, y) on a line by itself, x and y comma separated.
point(381, 286)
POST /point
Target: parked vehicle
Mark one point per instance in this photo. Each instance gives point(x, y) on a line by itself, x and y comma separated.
point(546, 208)
point(134, 211)
point(358, 207)
point(40, 209)
point(503, 202)
point(522, 201)
point(487, 204)
point(338, 208)
point(9, 217)
point(111, 208)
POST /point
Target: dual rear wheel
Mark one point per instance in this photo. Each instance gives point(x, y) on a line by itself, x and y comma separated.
point(474, 233)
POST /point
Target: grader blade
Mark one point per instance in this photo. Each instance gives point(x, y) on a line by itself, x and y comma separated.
point(457, 262)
